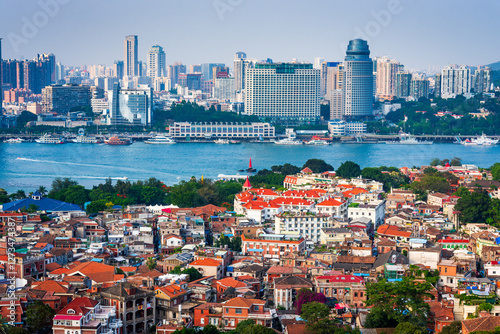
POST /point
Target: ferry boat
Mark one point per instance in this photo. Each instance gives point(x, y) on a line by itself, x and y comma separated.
point(482, 140)
point(315, 140)
point(14, 140)
point(84, 139)
point(160, 139)
point(221, 141)
point(406, 139)
point(232, 141)
point(291, 139)
point(115, 140)
point(49, 139)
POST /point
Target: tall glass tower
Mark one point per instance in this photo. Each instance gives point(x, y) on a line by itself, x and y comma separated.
point(358, 80)
point(131, 61)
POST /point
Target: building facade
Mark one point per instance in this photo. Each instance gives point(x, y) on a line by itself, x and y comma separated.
point(156, 62)
point(358, 80)
point(131, 59)
point(287, 93)
point(130, 106)
point(60, 99)
point(222, 130)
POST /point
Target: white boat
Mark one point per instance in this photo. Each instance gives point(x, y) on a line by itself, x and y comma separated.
point(49, 139)
point(317, 142)
point(14, 140)
point(84, 139)
point(221, 141)
point(159, 140)
point(406, 139)
point(482, 140)
point(291, 139)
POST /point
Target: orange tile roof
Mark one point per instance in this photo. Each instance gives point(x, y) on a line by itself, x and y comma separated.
point(98, 272)
point(171, 291)
point(330, 202)
point(291, 201)
point(231, 282)
point(50, 285)
point(206, 262)
point(243, 302)
point(263, 192)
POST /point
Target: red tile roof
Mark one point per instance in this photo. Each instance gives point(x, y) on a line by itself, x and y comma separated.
point(206, 262)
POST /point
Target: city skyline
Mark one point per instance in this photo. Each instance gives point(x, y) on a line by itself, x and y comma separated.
point(420, 35)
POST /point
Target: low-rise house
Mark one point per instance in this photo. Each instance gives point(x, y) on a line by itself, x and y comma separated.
point(393, 232)
point(334, 235)
point(348, 289)
point(208, 314)
point(168, 298)
point(240, 309)
point(208, 267)
point(272, 245)
point(286, 288)
point(429, 257)
point(375, 212)
point(307, 225)
point(85, 315)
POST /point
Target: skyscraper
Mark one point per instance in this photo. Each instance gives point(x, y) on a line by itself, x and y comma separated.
point(455, 80)
point(130, 106)
point(419, 87)
point(403, 80)
point(131, 60)
point(358, 80)
point(287, 93)
point(50, 58)
point(317, 62)
point(482, 80)
point(118, 69)
point(174, 71)
point(207, 70)
point(332, 81)
point(386, 77)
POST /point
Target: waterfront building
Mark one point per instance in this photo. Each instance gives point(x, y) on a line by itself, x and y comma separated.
point(131, 59)
point(223, 130)
point(287, 93)
point(156, 62)
point(130, 106)
point(358, 80)
point(61, 98)
point(344, 128)
point(99, 105)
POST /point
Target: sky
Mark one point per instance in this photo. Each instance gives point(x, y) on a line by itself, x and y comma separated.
point(421, 34)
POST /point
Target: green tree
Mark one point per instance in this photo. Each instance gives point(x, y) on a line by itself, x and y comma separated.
point(177, 270)
point(4, 196)
point(409, 328)
point(397, 302)
point(16, 330)
point(454, 328)
point(456, 161)
point(24, 118)
point(42, 190)
point(318, 165)
point(193, 274)
point(96, 206)
point(349, 170)
point(314, 311)
point(151, 263)
point(476, 207)
point(39, 316)
point(484, 307)
point(495, 171)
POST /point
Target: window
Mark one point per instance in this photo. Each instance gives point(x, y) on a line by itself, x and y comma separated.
point(202, 321)
point(256, 307)
point(227, 311)
point(238, 311)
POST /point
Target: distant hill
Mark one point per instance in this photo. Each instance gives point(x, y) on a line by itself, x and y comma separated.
point(494, 66)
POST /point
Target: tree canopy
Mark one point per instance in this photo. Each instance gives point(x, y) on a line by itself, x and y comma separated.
point(39, 316)
point(349, 170)
point(318, 165)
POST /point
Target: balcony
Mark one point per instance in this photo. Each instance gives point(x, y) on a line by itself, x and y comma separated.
point(115, 324)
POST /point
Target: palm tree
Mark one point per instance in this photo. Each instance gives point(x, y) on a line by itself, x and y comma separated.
point(42, 190)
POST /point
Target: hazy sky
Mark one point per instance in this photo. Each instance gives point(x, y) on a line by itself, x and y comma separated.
point(418, 33)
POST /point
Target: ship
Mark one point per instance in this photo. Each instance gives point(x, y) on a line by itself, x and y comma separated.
point(115, 140)
point(14, 140)
point(315, 140)
point(482, 140)
point(160, 140)
point(406, 139)
point(291, 139)
point(221, 141)
point(49, 139)
point(84, 139)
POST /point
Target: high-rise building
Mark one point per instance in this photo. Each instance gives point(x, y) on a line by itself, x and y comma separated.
point(224, 89)
point(174, 71)
point(358, 80)
point(195, 68)
point(437, 85)
point(386, 70)
point(403, 80)
point(131, 59)
point(50, 59)
point(61, 98)
point(287, 93)
point(317, 62)
point(207, 70)
point(482, 80)
point(130, 106)
point(455, 80)
point(192, 81)
point(118, 69)
point(332, 80)
point(156, 62)
point(419, 88)
point(241, 63)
